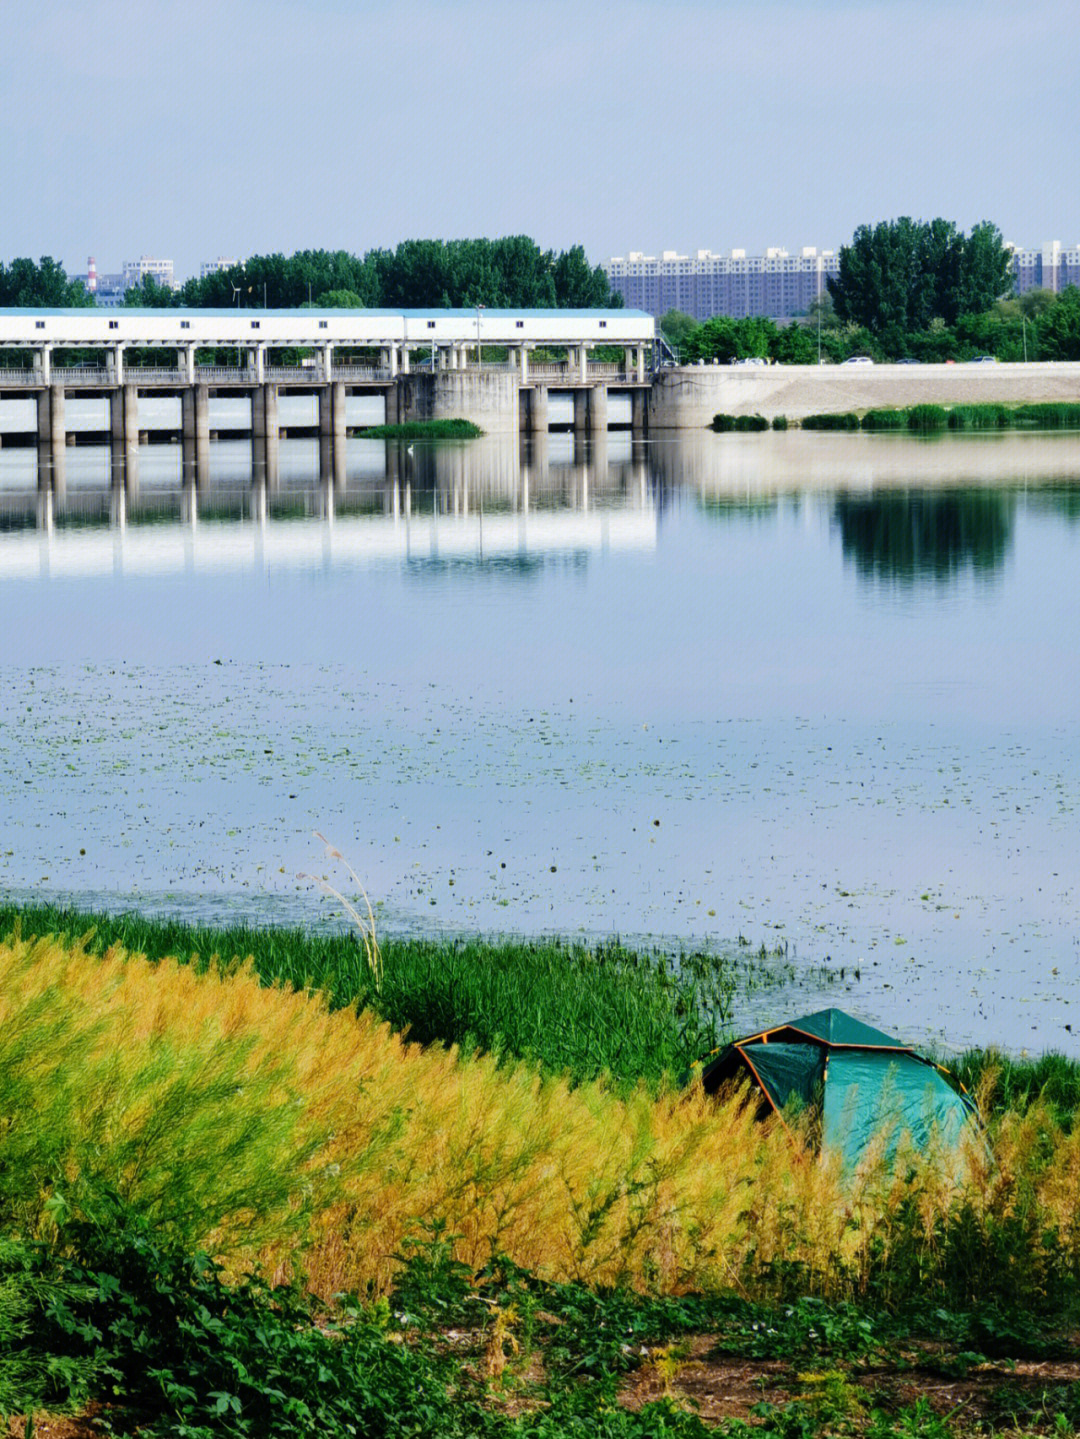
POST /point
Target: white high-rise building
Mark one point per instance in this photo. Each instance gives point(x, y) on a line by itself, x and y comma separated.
point(212, 267)
point(135, 271)
point(776, 284)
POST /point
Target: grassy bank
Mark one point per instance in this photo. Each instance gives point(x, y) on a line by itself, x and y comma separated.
point(529, 1251)
point(931, 419)
point(424, 430)
point(582, 1010)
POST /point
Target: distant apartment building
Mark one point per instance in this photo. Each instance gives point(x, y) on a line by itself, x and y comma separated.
point(1053, 267)
point(135, 271)
point(212, 267)
point(776, 284)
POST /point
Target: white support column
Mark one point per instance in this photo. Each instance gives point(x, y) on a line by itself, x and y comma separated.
point(328, 361)
point(584, 370)
point(524, 354)
point(260, 362)
point(404, 359)
point(641, 364)
point(43, 363)
point(394, 361)
point(188, 353)
point(628, 360)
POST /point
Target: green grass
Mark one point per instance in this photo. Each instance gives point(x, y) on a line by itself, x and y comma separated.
point(845, 420)
point(723, 424)
point(583, 1010)
point(927, 419)
point(110, 1312)
point(876, 420)
point(424, 430)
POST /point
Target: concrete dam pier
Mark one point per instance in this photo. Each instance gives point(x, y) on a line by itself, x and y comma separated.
point(496, 368)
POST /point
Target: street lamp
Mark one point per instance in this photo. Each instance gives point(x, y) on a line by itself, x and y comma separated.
point(479, 361)
point(236, 297)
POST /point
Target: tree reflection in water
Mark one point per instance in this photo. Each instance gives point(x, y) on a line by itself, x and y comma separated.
point(912, 535)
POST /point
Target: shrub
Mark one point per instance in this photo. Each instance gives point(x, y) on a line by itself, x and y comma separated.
point(978, 417)
point(925, 419)
point(840, 421)
point(1047, 416)
point(780, 422)
point(722, 424)
point(885, 420)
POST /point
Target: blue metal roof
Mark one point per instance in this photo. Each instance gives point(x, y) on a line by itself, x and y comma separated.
point(231, 310)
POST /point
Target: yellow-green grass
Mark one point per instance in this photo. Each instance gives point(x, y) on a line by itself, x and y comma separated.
point(254, 1121)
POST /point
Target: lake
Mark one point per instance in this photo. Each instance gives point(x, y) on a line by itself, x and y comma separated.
point(817, 692)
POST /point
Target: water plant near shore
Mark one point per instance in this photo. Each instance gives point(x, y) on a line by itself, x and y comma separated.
point(576, 1009)
point(424, 430)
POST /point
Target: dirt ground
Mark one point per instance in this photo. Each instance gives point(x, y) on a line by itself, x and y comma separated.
point(720, 1387)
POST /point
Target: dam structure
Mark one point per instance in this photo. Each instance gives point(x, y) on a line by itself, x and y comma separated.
point(498, 368)
point(424, 364)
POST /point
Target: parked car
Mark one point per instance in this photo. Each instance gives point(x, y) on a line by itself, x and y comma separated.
point(984, 360)
point(857, 360)
point(908, 360)
point(750, 360)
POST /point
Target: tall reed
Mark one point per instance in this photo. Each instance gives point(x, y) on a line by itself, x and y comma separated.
point(253, 1120)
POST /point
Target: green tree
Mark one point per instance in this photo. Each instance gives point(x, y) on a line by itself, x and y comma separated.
point(795, 345)
point(724, 338)
point(1058, 327)
point(340, 300)
point(150, 294)
point(678, 328)
point(896, 277)
point(579, 287)
point(45, 284)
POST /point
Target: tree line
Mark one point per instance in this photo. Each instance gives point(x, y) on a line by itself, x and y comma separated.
point(510, 273)
point(906, 289)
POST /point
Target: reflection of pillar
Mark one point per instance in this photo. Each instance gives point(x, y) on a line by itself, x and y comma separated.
point(581, 411)
point(538, 409)
point(600, 461)
point(50, 449)
point(638, 399)
point(598, 408)
point(195, 412)
point(131, 439)
point(265, 433)
point(189, 504)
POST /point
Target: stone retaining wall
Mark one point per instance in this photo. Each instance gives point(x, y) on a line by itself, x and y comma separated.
point(689, 396)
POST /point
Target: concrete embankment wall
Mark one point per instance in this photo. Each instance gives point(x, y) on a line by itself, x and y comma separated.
point(490, 401)
point(689, 396)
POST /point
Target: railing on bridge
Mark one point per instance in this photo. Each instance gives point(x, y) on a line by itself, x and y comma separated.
point(79, 375)
point(372, 373)
point(20, 376)
point(134, 375)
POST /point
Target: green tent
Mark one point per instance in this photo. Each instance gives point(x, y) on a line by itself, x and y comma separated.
point(859, 1081)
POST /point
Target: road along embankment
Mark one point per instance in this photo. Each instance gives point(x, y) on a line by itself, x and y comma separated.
point(687, 397)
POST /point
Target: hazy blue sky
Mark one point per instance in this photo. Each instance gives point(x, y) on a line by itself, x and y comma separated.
point(225, 127)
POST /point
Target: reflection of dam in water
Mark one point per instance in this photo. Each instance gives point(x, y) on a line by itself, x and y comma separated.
point(515, 506)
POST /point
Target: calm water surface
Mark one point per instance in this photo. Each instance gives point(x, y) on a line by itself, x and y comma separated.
point(804, 689)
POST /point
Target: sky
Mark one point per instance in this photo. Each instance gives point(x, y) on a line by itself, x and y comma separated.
point(230, 127)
